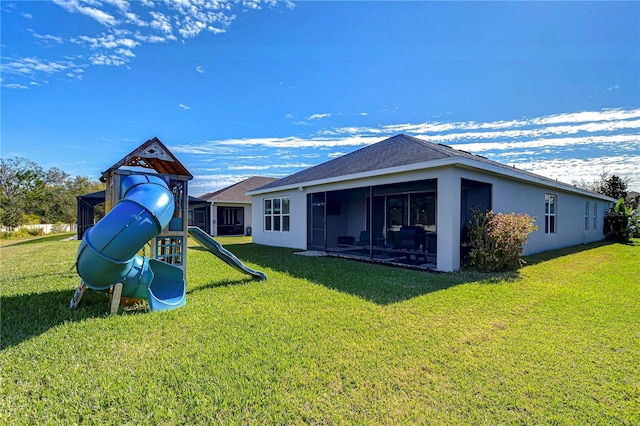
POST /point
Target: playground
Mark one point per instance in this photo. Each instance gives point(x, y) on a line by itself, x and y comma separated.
point(146, 204)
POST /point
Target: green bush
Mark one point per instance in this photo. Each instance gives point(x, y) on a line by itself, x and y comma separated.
point(620, 222)
point(32, 219)
point(58, 228)
point(496, 241)
point(35, 232)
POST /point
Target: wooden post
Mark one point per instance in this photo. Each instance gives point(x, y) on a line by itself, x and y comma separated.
point(75, 300)
point(115, 298)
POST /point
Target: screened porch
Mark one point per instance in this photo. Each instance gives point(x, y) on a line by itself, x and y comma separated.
point(387, 223)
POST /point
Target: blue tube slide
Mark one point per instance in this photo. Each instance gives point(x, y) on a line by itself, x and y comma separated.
point(108, 252)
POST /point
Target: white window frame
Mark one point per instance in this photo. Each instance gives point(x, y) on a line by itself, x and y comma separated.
point(595, 215)
point(277, 214)
point(586, 215)
point(550, 214)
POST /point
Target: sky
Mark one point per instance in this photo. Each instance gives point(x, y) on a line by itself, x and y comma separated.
point(268, 88)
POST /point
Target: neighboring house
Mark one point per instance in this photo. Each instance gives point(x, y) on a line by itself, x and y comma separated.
point(230, 212)
point(407, 186)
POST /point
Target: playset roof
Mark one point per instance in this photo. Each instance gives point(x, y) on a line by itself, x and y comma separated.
point(151, 155)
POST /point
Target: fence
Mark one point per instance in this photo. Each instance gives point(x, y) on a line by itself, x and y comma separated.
point(48, 228)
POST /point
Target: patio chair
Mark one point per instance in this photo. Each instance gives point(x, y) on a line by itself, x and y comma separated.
point(364, 239)
point(407, 239)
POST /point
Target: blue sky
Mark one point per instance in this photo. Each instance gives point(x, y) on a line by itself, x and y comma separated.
point(243, 88)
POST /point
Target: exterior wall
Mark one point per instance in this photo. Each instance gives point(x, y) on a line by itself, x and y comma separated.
point(511, 196)
point(296, 237)
point(448, 220)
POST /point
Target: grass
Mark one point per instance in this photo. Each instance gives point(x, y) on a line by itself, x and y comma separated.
point(328, 341)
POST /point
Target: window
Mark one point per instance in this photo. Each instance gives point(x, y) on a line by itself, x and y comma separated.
point(276, 214)
point(231, 216)
point(549, 214)
point(595, 215)
point(586, 216)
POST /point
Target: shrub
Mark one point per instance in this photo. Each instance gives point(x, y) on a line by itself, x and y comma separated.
point(620, 222)
point(35, 232)
point(496, 241)
point(32, 219)
point(19, 233)
point(59, 228)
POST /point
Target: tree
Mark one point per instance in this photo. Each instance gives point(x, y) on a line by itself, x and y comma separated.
point(27, 190)
point(21, 190)
point(607, 184)
point(614, 187)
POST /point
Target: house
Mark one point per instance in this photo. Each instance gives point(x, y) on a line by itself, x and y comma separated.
point(230, 207)
point(405, 193)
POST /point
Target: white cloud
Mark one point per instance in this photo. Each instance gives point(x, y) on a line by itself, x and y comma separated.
point(318, 116)
point(184, 107)
point(569, 147)
point(97, 14)
point(105, 59)
point(571, 170)
point(150, 38)
point(336, 154)
point(130, 23)
point(249, 167)
point(47, 38)
point(161, 22)
point(15, 86)
point(294, 142)
point(30, 66)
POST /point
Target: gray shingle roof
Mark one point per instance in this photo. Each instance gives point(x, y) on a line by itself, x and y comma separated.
point(399, 150)
point(237, 191)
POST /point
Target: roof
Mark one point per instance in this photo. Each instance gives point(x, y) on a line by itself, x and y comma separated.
point(152, 155)
point(399, 153)
point(237, 192)
point(398, 150)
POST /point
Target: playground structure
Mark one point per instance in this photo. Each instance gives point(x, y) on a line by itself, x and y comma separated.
point(145, 212)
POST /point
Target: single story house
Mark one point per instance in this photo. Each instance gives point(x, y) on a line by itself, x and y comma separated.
point(230, 207)
point(405, 193)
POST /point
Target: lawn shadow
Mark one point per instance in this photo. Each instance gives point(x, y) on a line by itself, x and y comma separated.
point(381, 284)
point(219, 283)
point(28, 315)
point(384, 284)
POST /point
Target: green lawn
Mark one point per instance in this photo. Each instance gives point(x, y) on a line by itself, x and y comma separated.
point(327, 341)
